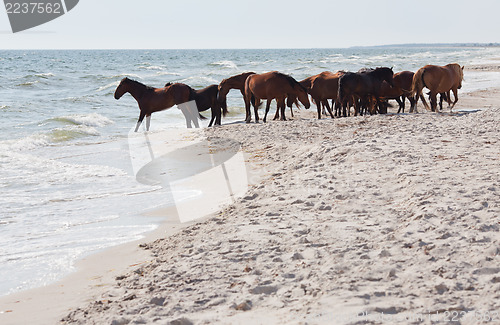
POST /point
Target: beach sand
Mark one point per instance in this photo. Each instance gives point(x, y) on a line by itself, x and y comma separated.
point(354, 220)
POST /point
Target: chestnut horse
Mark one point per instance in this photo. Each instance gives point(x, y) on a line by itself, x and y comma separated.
point(438, 79)
point(401, 89)
point(362, 87)
point(151, 99)
point(325, 86)
point(207, 98)
point(269, 86)
point(234, 82)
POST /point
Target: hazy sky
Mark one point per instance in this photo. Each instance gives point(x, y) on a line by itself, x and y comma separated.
point(165, 24)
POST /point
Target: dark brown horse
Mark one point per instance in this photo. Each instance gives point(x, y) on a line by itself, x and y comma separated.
point(234, 82)
point(325, 86)
point(269, 86)
point(151, 99)
point(207, 98)
point(438, 79)
point(400, 91)
point(362, 87)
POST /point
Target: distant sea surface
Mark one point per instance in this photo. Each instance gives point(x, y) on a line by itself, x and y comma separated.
point(67, 187)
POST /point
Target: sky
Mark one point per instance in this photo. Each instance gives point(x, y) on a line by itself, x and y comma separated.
point(212, 24)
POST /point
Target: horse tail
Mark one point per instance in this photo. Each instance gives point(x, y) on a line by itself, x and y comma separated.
point(418, 85)
point(224, 107)
point(341, 91)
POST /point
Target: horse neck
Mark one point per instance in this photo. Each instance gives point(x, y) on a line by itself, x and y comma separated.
point(137, 92)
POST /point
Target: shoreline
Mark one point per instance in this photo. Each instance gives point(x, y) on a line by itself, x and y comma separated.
point(97, 273)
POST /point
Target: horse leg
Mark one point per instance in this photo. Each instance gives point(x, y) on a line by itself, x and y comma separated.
point(268, 104)
point(277, 114)
point(248, 116)
point(148, 121)
point(318, 106)
point(281, 106)
point(433, 99)
point(401, 102)
point(455, 94)
point(256, 105)
point(328, 108)
point(139, 122)
point(413, 103)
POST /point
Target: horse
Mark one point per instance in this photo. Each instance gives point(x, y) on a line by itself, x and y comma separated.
point(269, 86)
point(152, 99)
point(400, 91)
point(234, 82)
point(438, 79)
point(325, 86)
point(207, 98)
point(362, 87)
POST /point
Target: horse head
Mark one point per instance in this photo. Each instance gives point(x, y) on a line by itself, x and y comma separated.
point(302, 95)
point(222, 91)
point(461, 74)
point(122, 88)
point(385, 74)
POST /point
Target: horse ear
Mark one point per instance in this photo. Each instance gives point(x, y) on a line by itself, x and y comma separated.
point(463, 67)
point(392, 68)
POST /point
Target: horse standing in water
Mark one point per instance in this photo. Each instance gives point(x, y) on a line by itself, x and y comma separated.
point(438, 79)
point(362, 87)
point(151, 99)
point(269, 86)
point(207, 98)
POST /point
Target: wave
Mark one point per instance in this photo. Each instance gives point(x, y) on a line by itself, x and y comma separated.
point(45, 75)
point(198, 81)
point(225, 64)
point(110, 85)
point(94, 119)
point(71, 133)
point(166, 73)
point(27, 83)
point(150, 67)
point(77, 127)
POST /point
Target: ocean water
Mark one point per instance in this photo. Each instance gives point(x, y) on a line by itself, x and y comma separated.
point(66, 179)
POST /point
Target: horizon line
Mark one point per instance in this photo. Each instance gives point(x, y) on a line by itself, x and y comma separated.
point(451, 44)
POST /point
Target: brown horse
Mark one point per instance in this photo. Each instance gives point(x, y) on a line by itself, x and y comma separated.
point(234, 82)
point(151, 99)
point(362, 87)
point(400, 91)
point(207, 98)
point(269, 86)
point(438, 79)
point(325, 86)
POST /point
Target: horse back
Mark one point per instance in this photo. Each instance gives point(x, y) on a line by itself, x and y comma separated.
point(439, 79)
point(206, 97)
point(403, 80)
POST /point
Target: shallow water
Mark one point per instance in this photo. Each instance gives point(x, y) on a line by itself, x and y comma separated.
point(67, 182)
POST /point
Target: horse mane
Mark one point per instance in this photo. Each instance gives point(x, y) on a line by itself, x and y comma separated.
point(291, 80)
point(138, 83)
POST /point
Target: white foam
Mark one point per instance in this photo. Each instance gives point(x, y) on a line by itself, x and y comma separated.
point(226, 64)
point(93, 119)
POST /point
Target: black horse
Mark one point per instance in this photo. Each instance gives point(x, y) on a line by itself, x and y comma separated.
point(363, 88)
point(207, 98)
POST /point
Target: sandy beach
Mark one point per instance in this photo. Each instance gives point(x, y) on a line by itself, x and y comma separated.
point(385, 219)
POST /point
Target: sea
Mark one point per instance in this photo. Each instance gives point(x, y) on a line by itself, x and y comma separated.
point(67, 184)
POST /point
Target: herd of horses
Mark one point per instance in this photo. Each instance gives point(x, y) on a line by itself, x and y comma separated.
point(367, 91)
